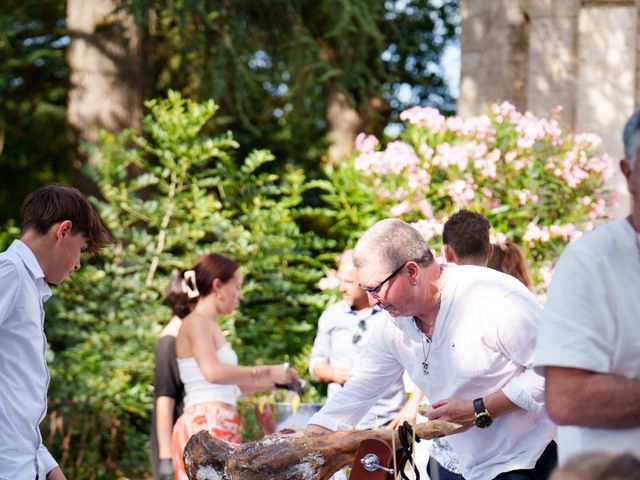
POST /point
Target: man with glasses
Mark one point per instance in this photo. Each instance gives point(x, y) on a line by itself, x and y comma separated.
point(465, 335)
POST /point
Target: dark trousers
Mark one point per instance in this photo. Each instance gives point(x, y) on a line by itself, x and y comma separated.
point(542, 470)
point(544, 466)
point(444, 474)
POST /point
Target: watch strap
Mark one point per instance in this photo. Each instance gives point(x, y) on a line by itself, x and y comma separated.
point(478, 405)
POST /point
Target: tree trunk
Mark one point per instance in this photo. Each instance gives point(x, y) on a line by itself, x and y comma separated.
point(105, 59)
point(344, 123)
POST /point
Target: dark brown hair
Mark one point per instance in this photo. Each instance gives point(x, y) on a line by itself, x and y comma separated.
point(176, 298)
point(213, 266)
point(468, 234)
point(509, 259)
point(56, 203)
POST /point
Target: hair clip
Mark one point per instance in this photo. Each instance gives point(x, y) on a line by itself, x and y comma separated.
point(189, 286)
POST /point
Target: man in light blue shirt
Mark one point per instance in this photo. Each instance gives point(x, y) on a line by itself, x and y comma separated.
point(58, 223)
point(343, 331)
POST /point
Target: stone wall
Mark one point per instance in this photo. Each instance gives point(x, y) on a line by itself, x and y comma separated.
point(581, 54)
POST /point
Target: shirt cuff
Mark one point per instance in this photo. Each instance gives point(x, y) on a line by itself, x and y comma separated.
point(48, 462)
point(526, 391)
point(312, 364)
point(330, 422)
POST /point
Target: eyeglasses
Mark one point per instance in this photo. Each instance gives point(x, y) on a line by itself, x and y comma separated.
point(375, 291)
point(357, 336)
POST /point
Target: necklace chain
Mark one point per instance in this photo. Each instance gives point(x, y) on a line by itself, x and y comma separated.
point(423, 335)
point(425, 362)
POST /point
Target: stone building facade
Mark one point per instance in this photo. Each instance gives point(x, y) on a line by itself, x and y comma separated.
point(581, 54)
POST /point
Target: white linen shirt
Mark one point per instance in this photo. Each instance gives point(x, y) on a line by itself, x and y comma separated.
point(340, 341)
point(24, 375)
point(591, 321)
point(482, 342)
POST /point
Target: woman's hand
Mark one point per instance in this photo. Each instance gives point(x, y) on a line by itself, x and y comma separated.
point(283, 374)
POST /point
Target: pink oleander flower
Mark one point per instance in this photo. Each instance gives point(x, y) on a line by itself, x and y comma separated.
point(425, 208)
point(427, 117)
point(400, 209)
point(426, 152)
point(330, 281)
point(458, 155)
point(531, 130)
point(587, 140)
point(480, 128)
point(366, 143)
point(418, 179)
point(525, 196)
point(487, 165)
point(461, 192)
point(568, 232)
point(367, 162)
point(399, 156)
point(499, 239)
point(546, 274)
point(533, 233)
point(429, 228)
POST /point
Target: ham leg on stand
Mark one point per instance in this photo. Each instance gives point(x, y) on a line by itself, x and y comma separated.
point(289, 454)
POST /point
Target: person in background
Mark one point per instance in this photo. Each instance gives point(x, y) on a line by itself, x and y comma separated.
point(508, 258)
point(58, 224)
point(589, 341)
point(465, 238)
point(465, 335)
point(168, 389)
point(343, 332)
point(208, 365)
point(466, 241)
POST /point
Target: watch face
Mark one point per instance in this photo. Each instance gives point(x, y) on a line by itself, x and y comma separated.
point(483, 420)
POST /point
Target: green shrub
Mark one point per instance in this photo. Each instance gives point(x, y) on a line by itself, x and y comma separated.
point(169, 196)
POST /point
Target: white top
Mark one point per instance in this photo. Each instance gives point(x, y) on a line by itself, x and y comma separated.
point(198, 390)
point(483, 341)
point(341, 339)
point(24, 376)
point(591, 321)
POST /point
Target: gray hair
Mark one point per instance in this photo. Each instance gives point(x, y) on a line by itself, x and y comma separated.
point(391, 242)
point(631, 138)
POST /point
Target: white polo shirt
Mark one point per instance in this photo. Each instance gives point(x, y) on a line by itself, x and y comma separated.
point(483, 341)
point(24, 376)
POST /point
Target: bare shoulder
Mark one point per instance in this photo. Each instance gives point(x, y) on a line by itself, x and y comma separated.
point(172, 328)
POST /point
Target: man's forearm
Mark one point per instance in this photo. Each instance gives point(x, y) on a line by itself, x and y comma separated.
point(323, 371)
point(56, 474)
point(581, 397)
point(164, 424)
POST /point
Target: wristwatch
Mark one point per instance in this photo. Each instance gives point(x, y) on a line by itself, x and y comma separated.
point(483, 418)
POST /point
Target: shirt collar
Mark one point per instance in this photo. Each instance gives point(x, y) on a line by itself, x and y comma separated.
point(349, 309)
point(29, 259)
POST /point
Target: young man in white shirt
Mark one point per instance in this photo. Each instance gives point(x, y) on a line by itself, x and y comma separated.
point(465, 335)
point(465, 239)
point(58, 224)
point(589, 340)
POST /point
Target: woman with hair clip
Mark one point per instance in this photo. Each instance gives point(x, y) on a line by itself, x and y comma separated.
point(208, 366)
point(508, 258)
point(168, 389)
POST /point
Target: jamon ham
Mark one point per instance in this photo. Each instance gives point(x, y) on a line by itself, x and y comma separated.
point(289, 454)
